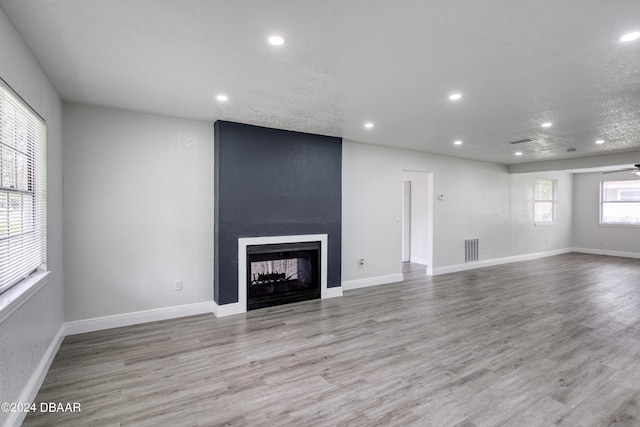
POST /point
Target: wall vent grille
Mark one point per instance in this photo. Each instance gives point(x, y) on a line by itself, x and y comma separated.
point(471, 250)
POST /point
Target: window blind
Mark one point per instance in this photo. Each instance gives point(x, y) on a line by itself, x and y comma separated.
point(22, 189)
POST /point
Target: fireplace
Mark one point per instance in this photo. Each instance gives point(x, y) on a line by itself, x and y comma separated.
point(282, 273)
point(244, 266)
point(273, 186)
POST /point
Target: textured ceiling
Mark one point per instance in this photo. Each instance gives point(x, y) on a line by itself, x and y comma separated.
point(394, 63)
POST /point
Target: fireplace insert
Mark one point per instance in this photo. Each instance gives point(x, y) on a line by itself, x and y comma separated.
point(282, 273)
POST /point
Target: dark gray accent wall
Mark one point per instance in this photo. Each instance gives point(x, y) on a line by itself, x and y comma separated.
point(271, 182)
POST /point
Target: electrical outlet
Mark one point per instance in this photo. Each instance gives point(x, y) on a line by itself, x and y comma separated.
point(178, 285)
point(361, 263)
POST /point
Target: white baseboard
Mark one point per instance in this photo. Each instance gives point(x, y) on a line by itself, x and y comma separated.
point(334, 292)
point(606, 252)
point(128, 319)
point(32, 387)
point(497, 261)
point(371, 281)
point(228, 309)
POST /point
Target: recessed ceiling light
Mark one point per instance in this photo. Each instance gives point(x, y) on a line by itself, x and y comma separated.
point(368, 125)
point(457, 142)
point(630, 36)
point(600, 141)
point(222, 98)
point(546, 124)
point(455, 96)
point(276, 40)
point(518, 153)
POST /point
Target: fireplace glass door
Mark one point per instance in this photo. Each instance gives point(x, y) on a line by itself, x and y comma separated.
point(282, 273)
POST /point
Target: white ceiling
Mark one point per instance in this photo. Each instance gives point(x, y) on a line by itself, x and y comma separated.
point(517, 64)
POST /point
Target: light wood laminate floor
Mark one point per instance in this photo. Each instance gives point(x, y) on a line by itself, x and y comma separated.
point(554, 341)
point(412, 270)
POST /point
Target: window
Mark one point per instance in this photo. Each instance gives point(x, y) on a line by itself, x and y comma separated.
point(620, 202)
point(545, 200)
point(22, 189)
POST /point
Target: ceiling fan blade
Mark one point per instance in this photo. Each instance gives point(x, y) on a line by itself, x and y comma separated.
point(620, 170)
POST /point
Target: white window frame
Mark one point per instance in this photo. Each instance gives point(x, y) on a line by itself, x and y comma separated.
point(619, 201)
point(538, 202)
point(23, 196)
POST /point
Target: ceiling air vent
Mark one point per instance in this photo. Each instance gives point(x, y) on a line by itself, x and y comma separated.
point(521, 141)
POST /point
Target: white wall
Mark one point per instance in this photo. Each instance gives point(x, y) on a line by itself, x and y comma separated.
point(478, 200)
point(587, 232)
point(371, 212)
point(138, 211)
point(529, 238)
point(27, 334)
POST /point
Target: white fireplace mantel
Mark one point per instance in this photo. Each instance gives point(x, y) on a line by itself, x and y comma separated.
point(241, 306)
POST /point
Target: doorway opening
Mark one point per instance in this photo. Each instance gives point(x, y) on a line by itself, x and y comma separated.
point(417, 224)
